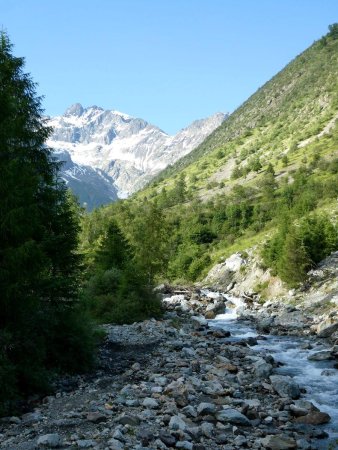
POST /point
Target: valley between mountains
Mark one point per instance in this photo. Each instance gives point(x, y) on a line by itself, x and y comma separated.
point(108, 155)
point(193, 303)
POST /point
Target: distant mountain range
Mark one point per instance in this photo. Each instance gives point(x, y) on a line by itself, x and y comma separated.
point(109, 155)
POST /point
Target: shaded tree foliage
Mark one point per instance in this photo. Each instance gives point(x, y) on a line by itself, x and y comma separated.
point(119, 289)
point(39, 264)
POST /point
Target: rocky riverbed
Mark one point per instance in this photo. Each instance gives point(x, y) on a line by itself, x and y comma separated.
point(174, 383)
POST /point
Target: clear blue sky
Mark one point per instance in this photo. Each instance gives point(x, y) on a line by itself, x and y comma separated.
point(167, 61)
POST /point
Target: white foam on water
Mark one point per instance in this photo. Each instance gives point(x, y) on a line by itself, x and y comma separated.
point(321, 390)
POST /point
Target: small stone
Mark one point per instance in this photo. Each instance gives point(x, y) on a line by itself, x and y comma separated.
point(126, 419)
point(177, 423)
point(206, 408)
point(53, 440)
point(96, 417)
point(184, 444)
point(167, 438)
point(232, 416)
point(189, 411)
point(240, 441)
point(30, 418)
point(221, 439)
point(136, 366)
point(114, 444)
point(210, 315)
point(86, 443)
point(145, 436)
point(207, 429)
point(199, 447)
point(118, 435)
point(15, 420)
point(158, 444)
point(303, 444)
point(189, 352)
point(133, 402)
point(268, 420)
point(231, 368)
point(151, 403)
point(161, 381)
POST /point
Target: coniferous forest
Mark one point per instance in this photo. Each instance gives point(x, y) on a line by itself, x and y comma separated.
point(40, 266)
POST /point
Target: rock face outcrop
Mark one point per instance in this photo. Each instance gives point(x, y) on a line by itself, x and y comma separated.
point(310, 309)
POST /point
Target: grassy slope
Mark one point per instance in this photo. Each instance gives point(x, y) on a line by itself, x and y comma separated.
point(294, 114)
point(295, 105)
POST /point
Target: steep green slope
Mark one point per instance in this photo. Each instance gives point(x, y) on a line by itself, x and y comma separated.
point(295, 104)
point(272, 164)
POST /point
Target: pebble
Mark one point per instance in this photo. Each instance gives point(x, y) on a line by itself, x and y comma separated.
point(86, 443)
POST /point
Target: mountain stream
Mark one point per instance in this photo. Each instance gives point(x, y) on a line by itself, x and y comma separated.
point(319, 378)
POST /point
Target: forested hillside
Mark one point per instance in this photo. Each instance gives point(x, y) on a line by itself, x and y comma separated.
point(267, 176)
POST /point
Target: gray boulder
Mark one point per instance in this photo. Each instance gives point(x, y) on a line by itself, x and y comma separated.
point(321, 356)
point(326, 328)
point(285, 386)
point(262, 369)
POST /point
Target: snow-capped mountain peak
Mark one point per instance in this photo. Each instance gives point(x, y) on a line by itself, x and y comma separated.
point(129, 150)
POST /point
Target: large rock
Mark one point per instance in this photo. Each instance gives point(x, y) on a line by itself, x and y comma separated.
point(232, 416)
point(217, 307)
point(321, 356)
point(199, 321)
point(234, 262)
point(262, 369)
point(314, 418)
point(327, 327)
point(285, 386)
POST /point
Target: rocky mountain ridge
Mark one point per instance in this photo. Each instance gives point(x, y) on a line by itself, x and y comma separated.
point(124, 152)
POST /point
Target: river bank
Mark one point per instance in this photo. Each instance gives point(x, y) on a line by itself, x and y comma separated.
point(182, 382)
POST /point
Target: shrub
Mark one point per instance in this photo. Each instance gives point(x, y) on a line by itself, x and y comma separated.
point(299, 246)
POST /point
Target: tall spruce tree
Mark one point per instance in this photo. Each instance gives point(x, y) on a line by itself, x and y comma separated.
point(39, 265)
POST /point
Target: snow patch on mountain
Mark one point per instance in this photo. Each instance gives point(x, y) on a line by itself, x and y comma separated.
point(119, 149)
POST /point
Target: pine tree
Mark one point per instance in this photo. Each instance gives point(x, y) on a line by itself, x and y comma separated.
point(294, 261)
point(39, 264)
